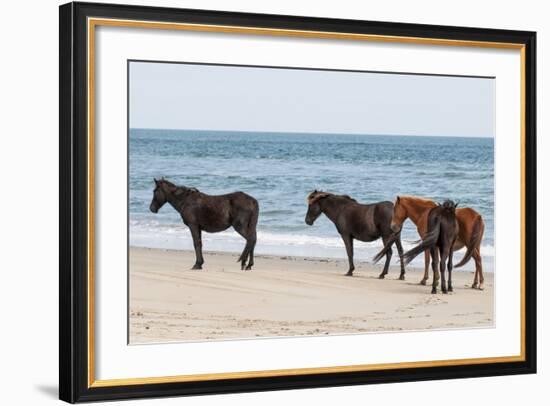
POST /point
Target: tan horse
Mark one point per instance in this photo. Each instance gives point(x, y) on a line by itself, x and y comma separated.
point(470, 231)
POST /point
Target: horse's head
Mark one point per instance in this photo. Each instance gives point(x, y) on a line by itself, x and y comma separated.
point(399, 215)
point(159, 196)
point(449, 206)
point(314, 208)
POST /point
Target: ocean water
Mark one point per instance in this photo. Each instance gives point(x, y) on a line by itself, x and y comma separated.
point(280, 169)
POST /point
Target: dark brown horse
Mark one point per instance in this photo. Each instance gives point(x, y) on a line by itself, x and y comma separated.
point(202, 212)
point(363, 222)
point(440, 237)
point(470, 231)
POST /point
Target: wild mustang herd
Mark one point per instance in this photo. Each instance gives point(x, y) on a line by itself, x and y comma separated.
point(442, 227)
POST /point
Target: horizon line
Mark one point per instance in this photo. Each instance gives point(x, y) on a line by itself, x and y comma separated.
point(307, 132)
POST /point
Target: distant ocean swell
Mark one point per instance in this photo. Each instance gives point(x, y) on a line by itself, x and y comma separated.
point(280, 169)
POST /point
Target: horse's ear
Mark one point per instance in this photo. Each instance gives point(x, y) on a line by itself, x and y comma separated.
point(397, 199)
point(156, 181)
point(310, 196)
point(456, 204)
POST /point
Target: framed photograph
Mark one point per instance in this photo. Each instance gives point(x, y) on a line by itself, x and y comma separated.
point(257, 202)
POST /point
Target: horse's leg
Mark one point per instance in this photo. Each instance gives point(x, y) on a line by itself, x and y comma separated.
point(197, 243)
point(435, 271)
point(249, 246)
point(245, 254)
point(479, 270)
point(246, 250)
point(389, 254)
point(442, 260)
point(426, 267)
point(450, 270)
point(252, 242)
point(251, 223)
point(348, 242)
point(475, 283)
point(400, 252)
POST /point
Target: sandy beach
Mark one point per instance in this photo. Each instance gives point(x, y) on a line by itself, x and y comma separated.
point(288, 296)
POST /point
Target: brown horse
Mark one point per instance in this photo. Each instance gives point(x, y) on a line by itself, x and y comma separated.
point(440, 237)
point(202, 212)
point(470, 231)
point(363, 222)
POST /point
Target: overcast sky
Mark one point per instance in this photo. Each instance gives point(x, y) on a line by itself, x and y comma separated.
point(183, 96)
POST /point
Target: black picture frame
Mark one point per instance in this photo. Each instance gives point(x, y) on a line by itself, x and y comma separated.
point(73, 256)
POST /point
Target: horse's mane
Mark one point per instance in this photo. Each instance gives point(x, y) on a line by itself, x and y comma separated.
point(347, 197)
point(167, 182)
point(418, 199)
point(182, 190)
point(179, 190)
point(317, 194)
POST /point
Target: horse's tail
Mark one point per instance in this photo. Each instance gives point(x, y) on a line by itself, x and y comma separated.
point(394, 237)
point(251, 227)
point(475, 240)
point(429, 240)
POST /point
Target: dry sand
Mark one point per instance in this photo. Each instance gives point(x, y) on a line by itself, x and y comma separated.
point(288, 296)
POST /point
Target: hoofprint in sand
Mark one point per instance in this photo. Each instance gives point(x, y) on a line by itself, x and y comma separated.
point(288, 296)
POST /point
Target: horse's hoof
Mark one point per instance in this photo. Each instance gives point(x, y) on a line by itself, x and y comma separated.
point(434, 291)
point(444, 291)
point(381, 276)
point(402, 277)
point(196, 266)
point(481, 287)
point(248, 268)
point(423, 282)
point(474, 286)
point(349, 273)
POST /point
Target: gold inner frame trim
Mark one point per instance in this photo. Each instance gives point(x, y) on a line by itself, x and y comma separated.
point(93, 22)
point(299, 371)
